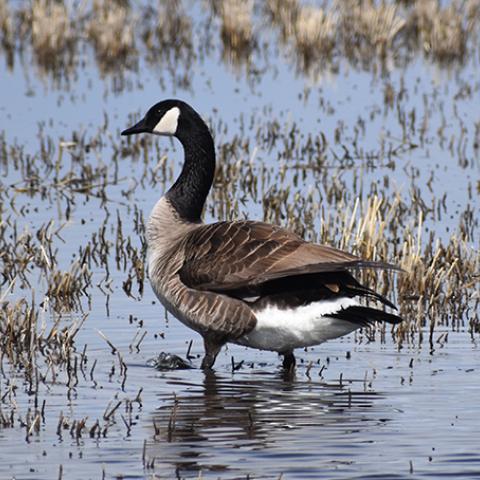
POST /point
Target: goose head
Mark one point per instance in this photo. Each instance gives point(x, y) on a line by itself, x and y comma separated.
point(175, 118)
point(167, 118)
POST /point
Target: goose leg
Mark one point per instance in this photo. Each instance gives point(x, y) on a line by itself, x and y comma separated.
point(288, 360)
point(212, 348)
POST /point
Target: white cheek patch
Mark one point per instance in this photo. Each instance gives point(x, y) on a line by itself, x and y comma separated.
point(168, 123)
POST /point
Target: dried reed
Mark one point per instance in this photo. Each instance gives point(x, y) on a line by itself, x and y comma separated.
point(53, 36)
point(315, 33)
point(236, 30)
point(369, 26)
point(6, 27)
point(112, 30)
point(441, 31)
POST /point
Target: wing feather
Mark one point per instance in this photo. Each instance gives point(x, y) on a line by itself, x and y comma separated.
point(227, 256)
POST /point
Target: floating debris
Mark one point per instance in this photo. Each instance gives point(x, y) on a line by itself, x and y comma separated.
point(169, 361)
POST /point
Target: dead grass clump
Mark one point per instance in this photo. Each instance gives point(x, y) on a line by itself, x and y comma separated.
point(66, 288)
point(19, 252)
point(236, 31)
point(370, 28)
point(174, 31)
point(472, 12)
point(53, 37)
point(6, 30)
point(309, 31)
point(28, 343)
point(315, 32)
point(438, 279)
point(18, 332)
point(441, 31)
point(284, 14)
point(112, 31)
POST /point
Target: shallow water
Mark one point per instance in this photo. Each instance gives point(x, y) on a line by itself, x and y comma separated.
point(357, 407)
point(261, 424)
point(379, 413)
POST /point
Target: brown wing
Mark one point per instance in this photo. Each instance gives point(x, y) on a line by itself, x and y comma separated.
point(231, 255)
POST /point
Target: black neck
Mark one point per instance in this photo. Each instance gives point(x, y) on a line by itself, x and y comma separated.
point(189, 192)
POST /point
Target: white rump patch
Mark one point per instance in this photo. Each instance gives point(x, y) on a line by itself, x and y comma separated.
point(281, 330)
point(168, 123)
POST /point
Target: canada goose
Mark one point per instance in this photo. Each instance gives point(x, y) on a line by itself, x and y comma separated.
point(245, 282)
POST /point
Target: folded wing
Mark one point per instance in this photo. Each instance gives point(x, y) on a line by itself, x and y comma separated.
point(250, 259)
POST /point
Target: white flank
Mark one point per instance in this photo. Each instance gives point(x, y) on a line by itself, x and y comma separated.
point(281, 330)
point(168, 123)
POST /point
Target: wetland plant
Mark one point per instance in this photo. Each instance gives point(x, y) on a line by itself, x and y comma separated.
point(236, 30)
point(112, 31)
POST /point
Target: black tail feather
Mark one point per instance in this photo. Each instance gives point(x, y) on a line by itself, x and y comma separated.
point(365, 316)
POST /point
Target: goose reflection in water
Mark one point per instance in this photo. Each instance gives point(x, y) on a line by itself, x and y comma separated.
point(243, 420)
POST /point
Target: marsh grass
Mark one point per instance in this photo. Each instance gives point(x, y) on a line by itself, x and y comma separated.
point(7, 31)
point(174, 32)
point(315, 32)
point(52, 33)
point(33, 346)
point(284, 14)
point(369, 28)
point(236, 31)
point(441, 31)
point(365, 33)
point(111, 28)
point(434, 287)
point(65, 288)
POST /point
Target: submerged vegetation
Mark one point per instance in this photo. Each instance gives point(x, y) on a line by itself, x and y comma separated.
point(374, 181)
